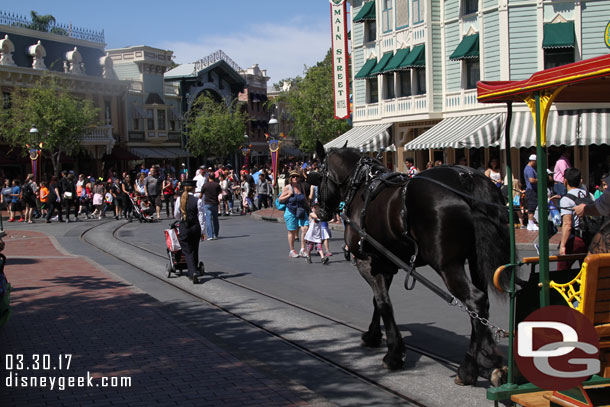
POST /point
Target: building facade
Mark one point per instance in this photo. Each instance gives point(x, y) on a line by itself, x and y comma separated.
point(254, 98)
point(415, 65)
point(77, 57)
point(153, 120)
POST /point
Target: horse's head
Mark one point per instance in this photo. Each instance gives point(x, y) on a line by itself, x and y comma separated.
point(337, 168)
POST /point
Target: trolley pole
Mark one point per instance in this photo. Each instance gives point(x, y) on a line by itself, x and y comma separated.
point(543, 208)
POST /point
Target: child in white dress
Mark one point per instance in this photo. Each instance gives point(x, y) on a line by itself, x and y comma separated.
point(315, 236)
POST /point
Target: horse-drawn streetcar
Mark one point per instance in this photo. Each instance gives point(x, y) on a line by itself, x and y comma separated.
point(449, 215)
point(588, 291)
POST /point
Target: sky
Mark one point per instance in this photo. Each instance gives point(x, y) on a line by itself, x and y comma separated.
point(282, 36)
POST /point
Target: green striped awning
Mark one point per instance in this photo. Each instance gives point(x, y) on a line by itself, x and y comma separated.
point(559, 35)
point(468, 48)
point(562, 129)
point(396, 60)
point(366, 13)
point(381, 64)
point(365, 71)
point(365, 138)
point(416, 58)
point(594, 127)
point(482, 130)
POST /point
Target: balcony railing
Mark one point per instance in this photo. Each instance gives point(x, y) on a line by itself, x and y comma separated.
point(98, 135)
point(392, 107)
point(463, 99)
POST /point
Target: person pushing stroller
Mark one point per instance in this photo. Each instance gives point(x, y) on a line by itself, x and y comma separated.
point(191, 212)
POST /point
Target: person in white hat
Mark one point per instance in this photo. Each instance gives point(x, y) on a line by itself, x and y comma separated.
point(531, 195)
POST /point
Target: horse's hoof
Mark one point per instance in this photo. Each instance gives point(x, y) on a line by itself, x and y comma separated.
point(370, 341)
point(461, 382)
point(499, 376)
point(392, 364)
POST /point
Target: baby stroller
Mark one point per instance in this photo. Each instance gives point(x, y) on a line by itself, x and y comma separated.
point(177, 263)
point(140, 211)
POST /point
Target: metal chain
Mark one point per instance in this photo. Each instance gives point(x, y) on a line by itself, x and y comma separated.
point(498, 332)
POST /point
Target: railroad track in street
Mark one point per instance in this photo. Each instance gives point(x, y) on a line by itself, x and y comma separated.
point(452, 365)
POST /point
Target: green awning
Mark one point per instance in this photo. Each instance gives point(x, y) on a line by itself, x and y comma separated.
point(416, 58)
point(396, 60)
point(382, 63)
point(366, 13)
point(468, 49)
point(559, 35)
point(365, 71)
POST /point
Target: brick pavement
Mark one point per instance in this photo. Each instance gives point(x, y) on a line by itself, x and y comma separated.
point(64, 304)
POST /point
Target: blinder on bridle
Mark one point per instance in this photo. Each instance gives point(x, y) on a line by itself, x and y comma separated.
point(325, 211)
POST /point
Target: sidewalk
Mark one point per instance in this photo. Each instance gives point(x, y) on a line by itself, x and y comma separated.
point(524, 238)
point(66, 305)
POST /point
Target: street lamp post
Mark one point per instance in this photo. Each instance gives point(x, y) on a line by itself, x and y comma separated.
point(245, 150)
point(35, 151)
point(274, 148)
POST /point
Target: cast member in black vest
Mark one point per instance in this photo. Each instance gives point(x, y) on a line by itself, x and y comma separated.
point(189, 209)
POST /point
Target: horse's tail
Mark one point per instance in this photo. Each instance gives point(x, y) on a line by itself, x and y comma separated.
point(491, 230)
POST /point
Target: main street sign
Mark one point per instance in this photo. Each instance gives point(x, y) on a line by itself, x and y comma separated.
point(340, 58)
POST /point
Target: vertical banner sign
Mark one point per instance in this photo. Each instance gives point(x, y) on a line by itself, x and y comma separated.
point(338, 17)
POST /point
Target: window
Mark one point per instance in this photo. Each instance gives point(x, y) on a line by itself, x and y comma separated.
point(373, 90)
point(420, 81)
point(404, 81)
point(558, 56)
point(161, 119)
point(150, 121)
point(136, 124)
point(472, 73)
point(418, 13)
point(387, 16)
point(470, 6)
point(402, 13)
point(371, 31)
point(388, 80)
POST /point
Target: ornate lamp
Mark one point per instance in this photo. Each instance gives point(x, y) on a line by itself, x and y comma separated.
point(35, 151)
point(274, 144)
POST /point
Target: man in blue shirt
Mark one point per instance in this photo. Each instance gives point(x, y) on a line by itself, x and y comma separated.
point(531, 195)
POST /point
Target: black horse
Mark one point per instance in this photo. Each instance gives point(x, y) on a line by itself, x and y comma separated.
point(443, 211)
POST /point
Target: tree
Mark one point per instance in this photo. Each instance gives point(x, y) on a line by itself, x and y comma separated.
point(44, 22)
point(214, 128)
point(41, 22)
point(61, 119)
point(310, 102)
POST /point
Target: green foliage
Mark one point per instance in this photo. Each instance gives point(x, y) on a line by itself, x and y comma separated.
point(41, 22)
point(214, 128)
point(310, 102)
point(61, 119)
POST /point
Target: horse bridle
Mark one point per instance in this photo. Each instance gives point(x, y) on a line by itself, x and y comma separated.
point(362, 173)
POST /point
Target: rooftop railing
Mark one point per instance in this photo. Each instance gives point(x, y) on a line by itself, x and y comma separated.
point(54, 28)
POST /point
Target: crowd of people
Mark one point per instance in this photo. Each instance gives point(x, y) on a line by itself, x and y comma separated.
point(70, 197)
point(225, 192)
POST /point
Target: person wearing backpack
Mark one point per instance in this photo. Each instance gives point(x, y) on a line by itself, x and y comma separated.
point(576, 231)
point(28, 194)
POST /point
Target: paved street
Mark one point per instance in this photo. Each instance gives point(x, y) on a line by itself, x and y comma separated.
point(153, 337)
